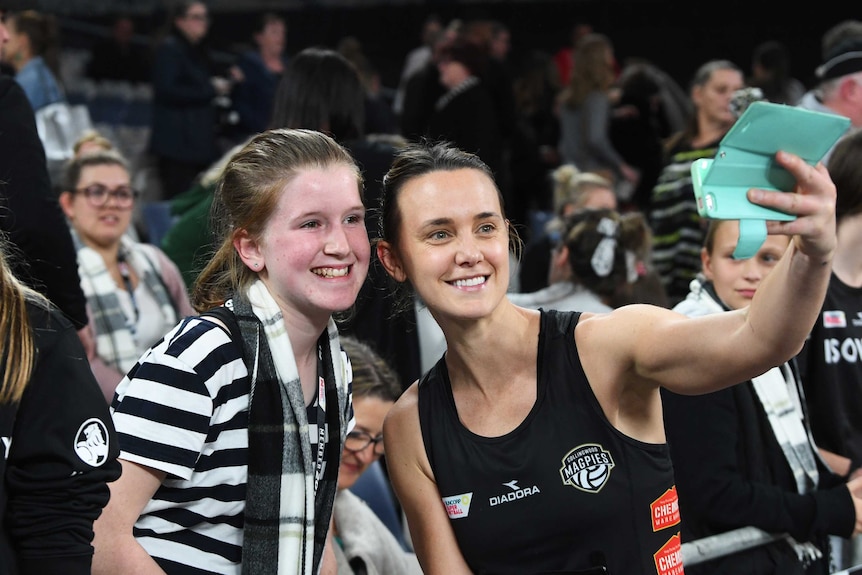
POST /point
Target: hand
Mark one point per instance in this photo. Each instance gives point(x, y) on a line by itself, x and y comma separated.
point(236, 74)
point(855, 487)
point(221, 85)
point(812, 201)
point(88, 340)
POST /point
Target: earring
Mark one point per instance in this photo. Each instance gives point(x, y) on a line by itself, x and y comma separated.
point(256, 265)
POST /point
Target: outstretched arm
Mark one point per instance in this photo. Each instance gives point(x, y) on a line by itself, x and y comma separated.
point(653, 346)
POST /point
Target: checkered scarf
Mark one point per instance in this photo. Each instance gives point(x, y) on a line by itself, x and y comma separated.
point(286, 522)
point(115, 342)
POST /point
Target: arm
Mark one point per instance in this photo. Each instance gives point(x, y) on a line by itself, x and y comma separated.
point(30, 215)
point(432, 536)
point(62, 457)
point(117, 551)
point(639, 346)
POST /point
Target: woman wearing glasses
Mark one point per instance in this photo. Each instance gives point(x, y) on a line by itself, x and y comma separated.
point(135, 294)
point(364, 543)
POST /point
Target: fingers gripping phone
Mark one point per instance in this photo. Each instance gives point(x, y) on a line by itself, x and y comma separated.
point(746, 159)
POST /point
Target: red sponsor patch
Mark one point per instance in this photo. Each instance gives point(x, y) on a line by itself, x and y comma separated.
point(834, 319)
point(668, 559)
point(664, 511)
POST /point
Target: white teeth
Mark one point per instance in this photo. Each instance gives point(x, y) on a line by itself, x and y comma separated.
point(331, 272)
point(470, 282)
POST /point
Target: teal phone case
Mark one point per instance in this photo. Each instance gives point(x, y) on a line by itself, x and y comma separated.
point(746, 159)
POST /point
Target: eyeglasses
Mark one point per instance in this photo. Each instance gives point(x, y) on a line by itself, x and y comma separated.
point(356, 441)
point(97, 195)
point(198, 17)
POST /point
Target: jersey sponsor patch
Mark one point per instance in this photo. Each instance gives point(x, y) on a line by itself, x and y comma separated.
point(91, 442)
point(458, 506)
point(587, 467)
point(664, 511)
point(668, 559)
point(834, 318)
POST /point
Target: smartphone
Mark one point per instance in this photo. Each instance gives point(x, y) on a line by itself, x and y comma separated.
point(746, 159)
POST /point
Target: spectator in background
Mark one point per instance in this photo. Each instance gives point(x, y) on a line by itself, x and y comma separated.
point(59, 443)
point(364, 544)
point(770, 71)
point(30, 218)
point(839, 77)
point(466, 114)
point(135, 294)
point(261, 69)
point(585, 106)
point(119, 57)
point(594, 262)
point(379, 116)
point(829, 363)
point(33, 51)
point(678, 230)
point(564, 58)
point(573, 190)
point(424, 88)
point(183, 136)
point(417, 58)
point(743, 456)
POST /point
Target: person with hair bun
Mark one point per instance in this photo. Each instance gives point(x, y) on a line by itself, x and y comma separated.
point(595, 261)
point(573, 190)
point(536, 443)
point(134, 291)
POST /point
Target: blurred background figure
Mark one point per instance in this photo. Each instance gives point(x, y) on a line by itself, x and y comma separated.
point(584, 109)
point(185, 86)
point(771, 72)
point(594, 262)
point(60, 446)
point(678, 230)
point(260, 70)
point(573, 190)
point(119, 57)
point(364, 544)
point(135, 294)
point(744, 456)
point(838, 88)
point(379, 115)
point(417, 58)
point(33, 50)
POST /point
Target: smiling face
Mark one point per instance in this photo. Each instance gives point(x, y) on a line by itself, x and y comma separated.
point(370, 413)
point(735, 280)
point(98, 226)
point(313, 253)
point(453, 242)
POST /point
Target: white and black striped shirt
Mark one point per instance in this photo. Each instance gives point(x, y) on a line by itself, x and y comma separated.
point(183, 409)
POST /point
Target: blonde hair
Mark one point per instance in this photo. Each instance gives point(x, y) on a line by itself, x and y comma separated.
point(17, 347)
point(572, 187)
point(92, 137)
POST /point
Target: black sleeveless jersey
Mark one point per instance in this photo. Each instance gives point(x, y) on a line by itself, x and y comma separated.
point(565, 491)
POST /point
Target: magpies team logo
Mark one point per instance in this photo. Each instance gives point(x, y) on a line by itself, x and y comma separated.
point(587, 467)
point(91, 442)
